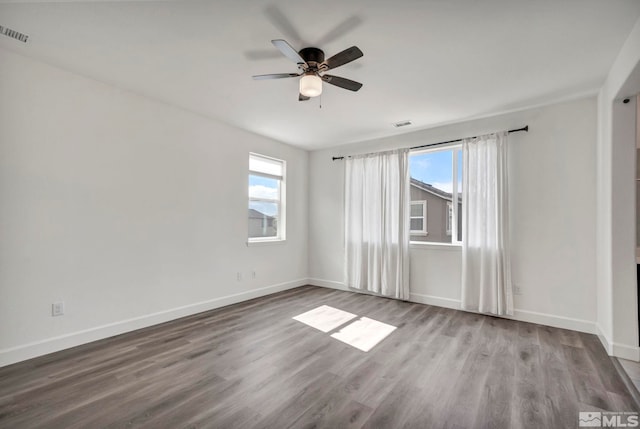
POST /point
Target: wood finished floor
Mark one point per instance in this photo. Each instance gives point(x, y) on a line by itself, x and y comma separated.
point(251, 366)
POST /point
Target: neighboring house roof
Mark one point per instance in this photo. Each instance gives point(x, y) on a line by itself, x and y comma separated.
point(433, 190)
point(255, 214)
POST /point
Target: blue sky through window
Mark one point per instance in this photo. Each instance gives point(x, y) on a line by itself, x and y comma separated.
point(263, 187)
point(436, 169)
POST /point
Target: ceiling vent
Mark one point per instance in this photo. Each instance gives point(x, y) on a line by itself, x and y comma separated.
point(13, 34)
point(402, 124)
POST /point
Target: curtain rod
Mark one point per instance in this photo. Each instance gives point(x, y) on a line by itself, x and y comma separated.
point(525, 129)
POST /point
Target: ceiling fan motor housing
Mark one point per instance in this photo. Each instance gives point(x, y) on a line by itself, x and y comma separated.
point(312, 66)
point(313, 56)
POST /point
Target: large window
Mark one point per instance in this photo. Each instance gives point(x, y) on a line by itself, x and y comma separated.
point(266, 198)
point(436, 195)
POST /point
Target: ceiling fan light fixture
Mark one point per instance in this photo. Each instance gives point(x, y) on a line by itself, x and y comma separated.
point(310, 85)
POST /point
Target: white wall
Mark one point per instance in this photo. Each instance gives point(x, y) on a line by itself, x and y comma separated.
point(616, 271)
point(553, 180)
point(130, 211)
point(625, 318)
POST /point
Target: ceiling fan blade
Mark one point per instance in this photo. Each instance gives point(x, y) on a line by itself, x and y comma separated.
point(339, 30)
point(274, 76)
point(349, 84)
point(282, 23)
point(302, 97)
point(342, 58)
point(288, 51)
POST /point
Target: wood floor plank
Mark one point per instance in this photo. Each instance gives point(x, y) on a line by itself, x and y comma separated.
point(251, 365)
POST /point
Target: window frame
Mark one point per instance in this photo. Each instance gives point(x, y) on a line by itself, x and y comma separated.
point(423, 231)
point(280, 201)
point(456, 153)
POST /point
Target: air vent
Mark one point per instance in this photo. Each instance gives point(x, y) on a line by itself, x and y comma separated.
point(402, 124)
point(13, 34)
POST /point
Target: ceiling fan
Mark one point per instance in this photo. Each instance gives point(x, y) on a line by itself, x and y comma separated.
point(312, 65)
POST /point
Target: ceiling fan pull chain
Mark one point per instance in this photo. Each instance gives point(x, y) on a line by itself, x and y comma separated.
point(320, 99)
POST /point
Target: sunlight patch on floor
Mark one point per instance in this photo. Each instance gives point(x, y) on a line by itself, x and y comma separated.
point(324, 318)
point(364, 333)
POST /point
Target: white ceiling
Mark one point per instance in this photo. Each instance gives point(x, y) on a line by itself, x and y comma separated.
point(431, 62)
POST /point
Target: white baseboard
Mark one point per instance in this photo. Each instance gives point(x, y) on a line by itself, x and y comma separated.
point(556, 321)
point(604, 339)
point(38, 348)
point(435, 300)
point(619, 350)
point(626, 352)
point(520, 315)
point(50, 345)
point(328, 284)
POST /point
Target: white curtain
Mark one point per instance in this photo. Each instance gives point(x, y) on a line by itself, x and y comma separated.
point(377, 205)
point(486, 266)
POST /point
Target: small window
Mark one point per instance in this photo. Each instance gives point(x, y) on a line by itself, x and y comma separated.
point(418, 218)
point(436, 184)
point(266, 198)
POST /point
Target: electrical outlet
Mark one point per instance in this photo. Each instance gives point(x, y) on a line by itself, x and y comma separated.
point(517, 290)
point(57, 308)
point(239, 276)
point(253, 274)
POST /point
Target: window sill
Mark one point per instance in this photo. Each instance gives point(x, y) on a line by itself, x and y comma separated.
point(266, 242)
point(439, 246)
